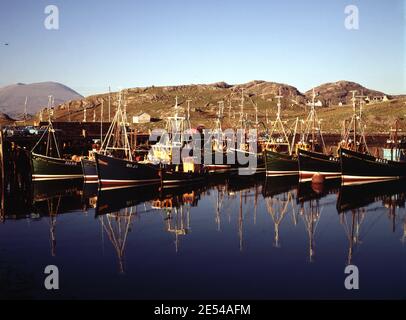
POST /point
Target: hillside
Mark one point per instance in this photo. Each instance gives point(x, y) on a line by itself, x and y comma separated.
point(12, 98)
point(5, 119)
point(159, 103)
point(335, 92)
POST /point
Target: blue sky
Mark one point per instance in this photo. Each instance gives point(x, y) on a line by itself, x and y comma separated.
point(132, 43)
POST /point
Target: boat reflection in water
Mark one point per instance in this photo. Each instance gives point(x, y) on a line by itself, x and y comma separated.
point(310, 208)
point(243, 224)
point(353, 202)
point(53, 198)
point(279, 194)
point(116, 210)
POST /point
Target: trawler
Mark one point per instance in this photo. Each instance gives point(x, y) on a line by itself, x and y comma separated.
point(359, 166)
point(218, 163)
point(169, 151)
point(311, 150)
point(115, 165)
point(51, 165)
point(278, 153)
point(247, 142)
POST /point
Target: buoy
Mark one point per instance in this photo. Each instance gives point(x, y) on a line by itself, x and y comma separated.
point(318, 178)
point(318, 183)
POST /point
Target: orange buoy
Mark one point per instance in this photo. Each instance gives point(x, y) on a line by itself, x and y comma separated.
point(318, 178)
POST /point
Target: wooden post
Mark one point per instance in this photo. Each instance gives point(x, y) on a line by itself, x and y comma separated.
point(1, 159)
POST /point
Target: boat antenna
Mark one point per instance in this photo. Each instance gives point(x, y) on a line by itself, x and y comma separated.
point(109, 103)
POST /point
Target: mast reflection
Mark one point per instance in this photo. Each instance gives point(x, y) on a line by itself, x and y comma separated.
point(279, 195)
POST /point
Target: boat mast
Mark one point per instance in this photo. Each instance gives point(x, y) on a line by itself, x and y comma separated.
point(354, 92)
point(120, 137)
point(101, 121)
point(362, 141)
point(313, 117)
point(311, 122)
point(242, 108)
point(278, 126)
point(25, 111)
point(188, 109)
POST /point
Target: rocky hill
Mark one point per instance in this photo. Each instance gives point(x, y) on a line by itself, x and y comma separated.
point(5, 119)
point(258, 95)
point(12, 98)
point(331, 94)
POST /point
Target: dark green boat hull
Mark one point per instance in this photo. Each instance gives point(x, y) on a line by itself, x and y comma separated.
point(48, 168)
point(280, 164)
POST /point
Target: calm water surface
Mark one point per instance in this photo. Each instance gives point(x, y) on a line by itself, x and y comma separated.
point(233, 238)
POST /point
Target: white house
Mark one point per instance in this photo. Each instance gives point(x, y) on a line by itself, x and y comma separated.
point(142, 118)
point(317, 103)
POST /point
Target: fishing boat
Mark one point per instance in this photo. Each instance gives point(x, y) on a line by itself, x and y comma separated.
point(312, 156)
point(46, 168)
point(218, 164)
point(248, 161)
point(168, 152)
point(51, 166)
point(114, 163)
point(279, 157)
point(358, 168)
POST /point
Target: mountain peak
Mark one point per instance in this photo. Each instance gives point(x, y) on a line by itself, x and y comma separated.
point(333, 93)
point(12, 97)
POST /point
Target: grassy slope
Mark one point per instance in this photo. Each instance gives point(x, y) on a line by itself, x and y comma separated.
point(159, 102)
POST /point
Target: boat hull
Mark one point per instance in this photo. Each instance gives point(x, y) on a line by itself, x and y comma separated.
point(89, 171)
point(247, 169)
point(359, 168)
point(48, 168)
point(119, 173)
point(311, 163)
point(280, 164)
point(178, 178)
point(219, 164)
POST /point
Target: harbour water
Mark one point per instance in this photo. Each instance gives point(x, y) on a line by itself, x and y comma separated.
point(235, 238)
